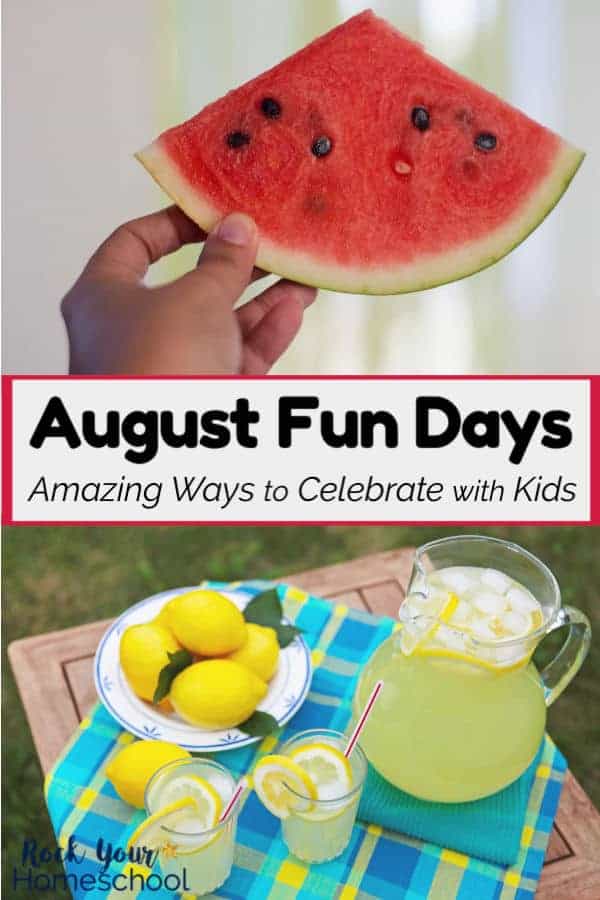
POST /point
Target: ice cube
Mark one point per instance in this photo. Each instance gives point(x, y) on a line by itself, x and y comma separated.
point(409, 612)
point(482, 629)
point(522, 601)
point(490, 604)
point(191, 825)
point(428, 604)
point(222, 785)
point(409, 609)
point(456, 580)
point(496, 580)
point(449, 638)
point(462, 613)
point(516, 623)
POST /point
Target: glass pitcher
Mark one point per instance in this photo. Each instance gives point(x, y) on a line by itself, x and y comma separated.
point(462, 711)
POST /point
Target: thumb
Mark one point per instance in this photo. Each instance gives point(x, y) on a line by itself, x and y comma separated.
point(225, 266)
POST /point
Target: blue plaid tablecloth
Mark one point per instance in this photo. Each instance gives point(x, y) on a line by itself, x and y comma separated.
point(378, 864)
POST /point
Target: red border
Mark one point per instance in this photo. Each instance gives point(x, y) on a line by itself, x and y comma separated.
point(7, 449)
point(594, 449)
point(12, 378)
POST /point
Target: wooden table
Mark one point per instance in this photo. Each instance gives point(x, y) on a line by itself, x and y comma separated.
point(54, 675)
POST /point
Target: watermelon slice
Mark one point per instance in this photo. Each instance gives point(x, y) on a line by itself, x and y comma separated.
point(368, 165)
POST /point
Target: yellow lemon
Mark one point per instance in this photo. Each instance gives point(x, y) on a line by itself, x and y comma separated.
point(163, 617)
point(130, 770)
point(259, 652)
point(143, 653)
point(207, 623)
point(216, 693)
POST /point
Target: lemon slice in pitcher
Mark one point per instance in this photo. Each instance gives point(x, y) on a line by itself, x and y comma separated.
point(414, 637)
point(282, 785)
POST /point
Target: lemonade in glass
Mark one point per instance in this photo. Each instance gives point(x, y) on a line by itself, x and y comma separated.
point(315, 790)
point(201, 857)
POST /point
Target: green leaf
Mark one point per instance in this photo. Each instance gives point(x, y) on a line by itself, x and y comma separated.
point(178, 661)
point(260, 724)
point(264, 609)
point(286, 633)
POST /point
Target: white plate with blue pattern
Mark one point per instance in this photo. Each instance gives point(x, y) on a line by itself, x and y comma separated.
point(286, 694)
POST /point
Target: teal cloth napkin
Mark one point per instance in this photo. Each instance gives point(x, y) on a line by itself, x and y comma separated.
point(489, 828)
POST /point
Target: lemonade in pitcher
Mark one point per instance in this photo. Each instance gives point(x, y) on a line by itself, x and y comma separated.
point(463, 709)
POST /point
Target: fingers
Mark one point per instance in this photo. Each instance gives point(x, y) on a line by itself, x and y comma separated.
point(134, 246)
point(254, 311)
point(277, 319)
point(226, 264)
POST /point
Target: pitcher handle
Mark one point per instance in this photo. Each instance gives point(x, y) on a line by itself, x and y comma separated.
point(567, 662)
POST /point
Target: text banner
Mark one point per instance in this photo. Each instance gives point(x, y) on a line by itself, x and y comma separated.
point(275, 450)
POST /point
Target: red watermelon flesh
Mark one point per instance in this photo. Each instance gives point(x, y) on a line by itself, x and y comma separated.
point(367, 165)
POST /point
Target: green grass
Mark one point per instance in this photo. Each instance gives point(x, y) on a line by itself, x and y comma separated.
point(59, 577)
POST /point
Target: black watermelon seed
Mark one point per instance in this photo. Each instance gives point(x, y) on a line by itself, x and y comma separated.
point(486, 141)
point(271, 108)
point(321, 147)
point(420, 118)
point(237, 139)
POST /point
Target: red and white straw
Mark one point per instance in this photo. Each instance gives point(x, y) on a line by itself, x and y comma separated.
point(241, 787)
point(362, 721)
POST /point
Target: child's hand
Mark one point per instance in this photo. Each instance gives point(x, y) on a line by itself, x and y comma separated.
point(117, 325)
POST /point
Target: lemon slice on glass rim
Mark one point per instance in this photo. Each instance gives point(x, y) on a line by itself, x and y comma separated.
point(207, 799)
point(329, 769)
point(283, 786)
point(191, 805)
point(332, 774)
point(151, 834)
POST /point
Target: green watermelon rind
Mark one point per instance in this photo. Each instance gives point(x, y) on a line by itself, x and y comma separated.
point(429, 271)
